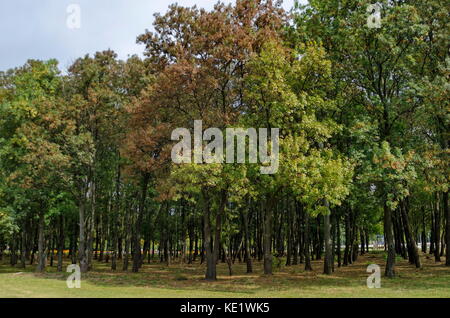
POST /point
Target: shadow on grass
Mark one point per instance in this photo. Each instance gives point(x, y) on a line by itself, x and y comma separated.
point(182, 277)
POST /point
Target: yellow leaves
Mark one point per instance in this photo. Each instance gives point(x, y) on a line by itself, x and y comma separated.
point(24, 109)
point(315, 174)
point(385, 159)
point(398, 165)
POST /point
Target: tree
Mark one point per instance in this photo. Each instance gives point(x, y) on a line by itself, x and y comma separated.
point(375, 67)
point(34, 157)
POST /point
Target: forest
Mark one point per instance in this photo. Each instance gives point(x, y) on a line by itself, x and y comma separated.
point(86, 175)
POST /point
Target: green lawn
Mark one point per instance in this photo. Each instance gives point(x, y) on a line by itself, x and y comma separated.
point(157, 280)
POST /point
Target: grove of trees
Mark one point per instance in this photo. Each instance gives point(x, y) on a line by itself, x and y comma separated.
point(85, 155)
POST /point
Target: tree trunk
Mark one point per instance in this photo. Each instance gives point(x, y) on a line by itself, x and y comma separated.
point(267, 236)
point(437, 230)
point(22, 248)
point(289, 236)
point(248, 258)
point(308, 266)
point(82, 257)
point(210, 261)
point(338, 241)
point(424, 231)
point(328, 262)
point(61, 243)
point(389, 232)
point(41, 244)
point(347, 250)
point(127, 239)
point(218, 230)
point(447, 228)
point(413, 250)
point(137, 227)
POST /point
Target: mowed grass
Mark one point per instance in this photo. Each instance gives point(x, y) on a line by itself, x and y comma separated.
point(186, 281)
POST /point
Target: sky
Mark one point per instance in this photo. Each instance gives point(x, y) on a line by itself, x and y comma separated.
point(44, 29)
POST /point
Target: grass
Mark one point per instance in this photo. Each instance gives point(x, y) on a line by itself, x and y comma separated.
point(186, 281)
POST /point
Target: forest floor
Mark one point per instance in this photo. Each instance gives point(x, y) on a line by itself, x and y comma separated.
point(186, 281)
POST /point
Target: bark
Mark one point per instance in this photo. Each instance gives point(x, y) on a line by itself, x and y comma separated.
point(90, 224)
point(355, 242)
point(433, 227)
point(137, 226)
point(301, 232)
point(126, 251)
point(389, 233)
point(338, 241)
point(61, 243)
point(22, 250)
point(210, 261)
point(347, 250)
point(191, 240)
point(227, 253)
point(447, 228)
point(247, 257)
point(82, 257)
point(333, 239)
point(328, 262)
point(318, 240)
point(367, 240)
point(295, 234)
point(13, 248)
point(218, 230)
point(289, 236)
point(308, 266)
point(267, 236)
point(41, 244)
point(413, 250)
point(437, 230)
point(362, 242)
point(424, 231)
point(52, 249)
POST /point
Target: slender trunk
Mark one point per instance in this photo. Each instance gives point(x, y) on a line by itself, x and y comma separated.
point(413, 250)
point(195, 245)
point(447, 228)
point(227, 254)
point(432, 235)
point(301, 231)
point(347, 258)
point(437, 230)
point(333, 239)
point(362, 242)
point(338, 241)
point(13, 248)
point(328, 262)
point(191, 240)
point(41, 244)
point(389, 232)
point(22, 249)
point(61, 243)
point(138, 223)
point(308, 266)
point(127, 238)
point(367, 240)
point(218, 231)
point(247, 257)
point(90, 224)
point(82, 257)
point(210, 261)
point(267, 241)
point(424, 231)
point(289, 236)
point(355, 242)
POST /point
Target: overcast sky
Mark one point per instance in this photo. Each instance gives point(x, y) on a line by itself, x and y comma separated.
point(38, 29)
